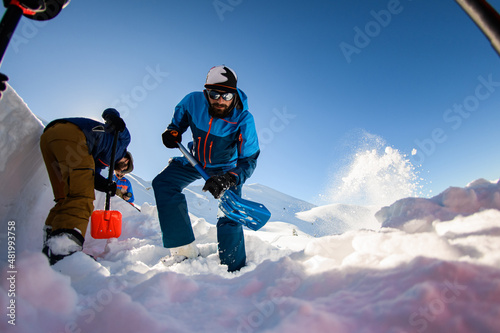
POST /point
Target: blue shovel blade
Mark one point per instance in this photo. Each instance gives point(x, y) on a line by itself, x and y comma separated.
point(251, 214)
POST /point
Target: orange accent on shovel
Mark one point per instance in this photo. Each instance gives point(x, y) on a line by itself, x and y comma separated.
point(106, 224)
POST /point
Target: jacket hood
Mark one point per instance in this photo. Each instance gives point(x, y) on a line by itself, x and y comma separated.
point(243, 99)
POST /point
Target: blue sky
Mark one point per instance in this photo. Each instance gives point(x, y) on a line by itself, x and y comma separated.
point(319, 75)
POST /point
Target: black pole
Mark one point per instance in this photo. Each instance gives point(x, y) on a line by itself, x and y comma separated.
point(9, 22)
point(111, 167)
point(485, 17)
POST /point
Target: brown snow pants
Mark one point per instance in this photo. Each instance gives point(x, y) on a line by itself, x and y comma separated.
point(71, 172)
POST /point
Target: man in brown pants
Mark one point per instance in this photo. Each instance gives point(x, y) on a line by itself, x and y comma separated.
point(75, 150)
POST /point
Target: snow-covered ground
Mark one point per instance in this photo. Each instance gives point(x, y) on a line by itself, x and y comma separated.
point(418, 265)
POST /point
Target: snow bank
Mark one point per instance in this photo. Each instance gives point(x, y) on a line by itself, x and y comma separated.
point(22, 172)
point(415, 214)
point(434, 266)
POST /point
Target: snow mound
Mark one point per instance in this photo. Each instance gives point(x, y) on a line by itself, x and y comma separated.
point(416, 214)
point(339, 218)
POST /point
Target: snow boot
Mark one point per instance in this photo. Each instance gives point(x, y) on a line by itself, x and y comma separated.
point(47, 231)
point(181, 253)
point(62, 243)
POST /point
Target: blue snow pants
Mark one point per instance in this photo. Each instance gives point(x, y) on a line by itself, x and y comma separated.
point(174, 219)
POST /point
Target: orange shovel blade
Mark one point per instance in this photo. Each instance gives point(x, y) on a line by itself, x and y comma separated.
point(106, 224)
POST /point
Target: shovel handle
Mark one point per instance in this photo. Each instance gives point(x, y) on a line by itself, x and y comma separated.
point(250, 214)
point(193, 161)
point(111, 167)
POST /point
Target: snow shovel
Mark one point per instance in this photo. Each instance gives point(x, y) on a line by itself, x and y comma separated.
point(253, 215)
point(105, 224)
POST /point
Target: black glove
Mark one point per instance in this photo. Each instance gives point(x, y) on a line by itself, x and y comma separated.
point(110, 188)
point(115, 123)
point(170, 138)
point(3, 83)
point(104, 185)
point(217, 185)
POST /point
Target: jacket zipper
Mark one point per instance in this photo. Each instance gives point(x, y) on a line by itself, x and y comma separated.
point(241, 142)
point(205, 144)
point(210, 152)
point(198, 146)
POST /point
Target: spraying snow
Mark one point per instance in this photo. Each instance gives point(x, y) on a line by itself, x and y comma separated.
point(377, 175)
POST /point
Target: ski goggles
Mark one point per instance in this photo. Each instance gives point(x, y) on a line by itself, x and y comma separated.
point(215, 95)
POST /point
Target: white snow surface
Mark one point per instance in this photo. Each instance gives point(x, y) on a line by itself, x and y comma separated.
point(416, 265)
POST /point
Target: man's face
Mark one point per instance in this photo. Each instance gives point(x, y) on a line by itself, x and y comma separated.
point(219, 107)
point(121, 165)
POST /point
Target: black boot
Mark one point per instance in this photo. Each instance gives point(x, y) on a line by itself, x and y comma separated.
point(47, 231)
point(62, 243)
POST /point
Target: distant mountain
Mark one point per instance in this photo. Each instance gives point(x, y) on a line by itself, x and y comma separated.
point(282, 207)
point(309, 218)
point(143, 190)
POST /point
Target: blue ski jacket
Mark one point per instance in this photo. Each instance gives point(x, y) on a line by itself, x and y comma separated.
point(99, 141)
point(125, 186)
point(229, 144)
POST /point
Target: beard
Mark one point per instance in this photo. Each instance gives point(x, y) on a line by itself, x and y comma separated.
point(217, 110)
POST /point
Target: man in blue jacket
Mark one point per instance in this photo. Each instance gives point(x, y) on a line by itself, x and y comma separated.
point(225, 143)
point(75, 150)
